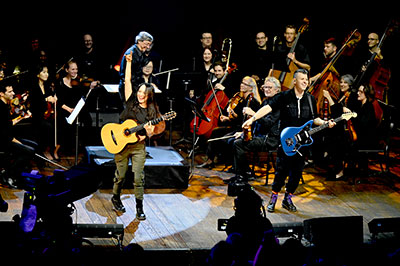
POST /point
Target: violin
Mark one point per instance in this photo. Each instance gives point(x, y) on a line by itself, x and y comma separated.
point(18, 106)
point(234, 101)
point(247, 135)
point(349, 128)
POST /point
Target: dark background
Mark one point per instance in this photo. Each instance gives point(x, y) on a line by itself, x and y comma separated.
point(176, 27)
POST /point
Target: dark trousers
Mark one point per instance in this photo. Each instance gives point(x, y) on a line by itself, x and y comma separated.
point(291, 166)
point(241, 148)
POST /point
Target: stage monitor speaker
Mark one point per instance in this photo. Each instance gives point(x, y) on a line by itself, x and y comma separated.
point(289, 229)
point(384, 225)
point(99, 230)
point(343, 231)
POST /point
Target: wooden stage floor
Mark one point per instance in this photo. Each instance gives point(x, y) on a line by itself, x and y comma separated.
point(186, 219)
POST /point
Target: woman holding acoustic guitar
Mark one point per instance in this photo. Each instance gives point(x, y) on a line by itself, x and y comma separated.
point(141, 108)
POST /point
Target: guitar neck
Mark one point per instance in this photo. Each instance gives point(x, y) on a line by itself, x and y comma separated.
point(321, 127)
point(152, 122)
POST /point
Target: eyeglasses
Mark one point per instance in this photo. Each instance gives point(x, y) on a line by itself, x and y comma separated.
point(248, 85)
point(264, 87)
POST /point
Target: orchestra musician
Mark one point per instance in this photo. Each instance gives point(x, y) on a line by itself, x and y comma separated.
point(140, 51)
point(344, 133)
point(18, 151)
point(69, 91)
point(299, 57)
point(266, 131)
point(231, 120)
point(42, 106)
point(141, 107)
point(365, 126)
point(296, 108)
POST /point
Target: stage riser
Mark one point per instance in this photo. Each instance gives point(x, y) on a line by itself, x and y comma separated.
point(164, 168)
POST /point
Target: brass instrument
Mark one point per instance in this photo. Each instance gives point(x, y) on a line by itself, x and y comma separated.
point(226, 51)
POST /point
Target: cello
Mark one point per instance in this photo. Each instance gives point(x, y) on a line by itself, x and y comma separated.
point(212, 109)
point(286, 78)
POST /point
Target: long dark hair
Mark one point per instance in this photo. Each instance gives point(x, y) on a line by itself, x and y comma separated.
point(152, 107)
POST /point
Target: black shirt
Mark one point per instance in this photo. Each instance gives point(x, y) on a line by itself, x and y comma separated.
point(6, 132)
point(281, 52)
point(290, 113)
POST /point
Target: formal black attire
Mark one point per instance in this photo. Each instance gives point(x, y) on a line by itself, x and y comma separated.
point(265, 137)
point(43, 128)
point(139, 60)
point(281, 52)
point(16, 156)
point(224, 147)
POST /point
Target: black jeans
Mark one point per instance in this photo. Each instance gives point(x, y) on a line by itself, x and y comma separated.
point(291, 166)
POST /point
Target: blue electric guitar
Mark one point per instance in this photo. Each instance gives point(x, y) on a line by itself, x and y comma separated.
point(293, 138)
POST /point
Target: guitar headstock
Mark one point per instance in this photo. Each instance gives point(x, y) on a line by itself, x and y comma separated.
point(170, 115)
point(349, 115)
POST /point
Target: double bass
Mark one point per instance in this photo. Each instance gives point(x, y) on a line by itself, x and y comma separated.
point(381, 74)
point(286, 78)
point(329, 78)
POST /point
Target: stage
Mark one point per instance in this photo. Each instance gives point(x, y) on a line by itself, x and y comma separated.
point(185, 219)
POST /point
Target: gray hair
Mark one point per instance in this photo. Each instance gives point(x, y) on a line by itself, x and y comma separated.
point(274, 81)
point(144, 36)
point(348, 79)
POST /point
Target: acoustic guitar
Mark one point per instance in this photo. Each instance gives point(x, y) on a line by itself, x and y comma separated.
point(293, 138)
point(116, 136)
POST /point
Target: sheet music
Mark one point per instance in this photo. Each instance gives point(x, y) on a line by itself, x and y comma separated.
point(112, 88)
point(71, 118)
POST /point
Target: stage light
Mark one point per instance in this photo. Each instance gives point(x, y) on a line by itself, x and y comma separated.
point(117, 68)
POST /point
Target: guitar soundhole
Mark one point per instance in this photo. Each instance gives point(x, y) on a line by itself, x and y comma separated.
point(127, 132)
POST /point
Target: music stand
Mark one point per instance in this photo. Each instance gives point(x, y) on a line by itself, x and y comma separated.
point(197, 112)
point(74, 117)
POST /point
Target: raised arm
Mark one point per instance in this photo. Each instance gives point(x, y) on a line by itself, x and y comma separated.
point(128, 76)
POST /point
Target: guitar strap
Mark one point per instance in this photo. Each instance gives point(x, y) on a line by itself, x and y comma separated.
point(311, 106)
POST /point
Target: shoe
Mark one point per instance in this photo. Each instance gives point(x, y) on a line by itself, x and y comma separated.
point(117, 203)
point(339, 175)
point(140, 214)
point(206, 164)
point(233, 179)
point(288, 204)
point(272, 202)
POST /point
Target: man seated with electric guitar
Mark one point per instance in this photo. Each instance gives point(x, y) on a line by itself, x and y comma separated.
point(296, 108)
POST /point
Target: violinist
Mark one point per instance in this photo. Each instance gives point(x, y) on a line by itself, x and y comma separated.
point(19, 151)
point(266, 132)
point(69, 91)
point(42, 106)
point(231, 121)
